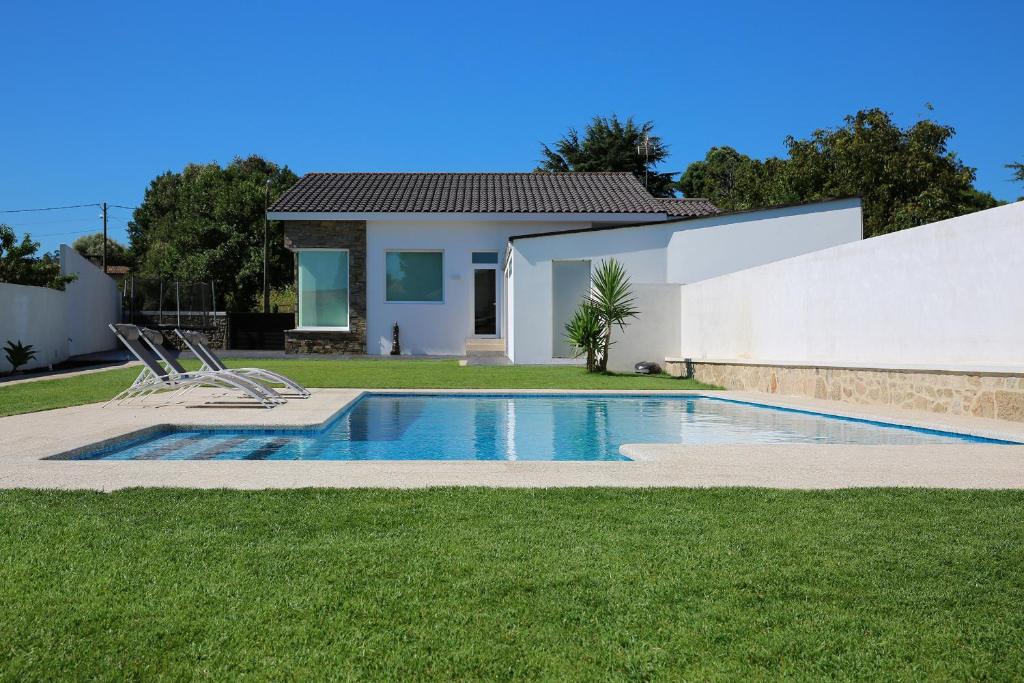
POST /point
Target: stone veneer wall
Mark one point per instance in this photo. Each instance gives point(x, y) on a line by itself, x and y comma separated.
point(214, 327)
point(999, 396)
point(349, 235)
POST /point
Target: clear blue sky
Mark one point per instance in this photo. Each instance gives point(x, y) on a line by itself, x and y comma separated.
point(97, 100)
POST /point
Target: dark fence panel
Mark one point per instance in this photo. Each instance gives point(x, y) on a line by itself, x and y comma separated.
point(262, 331)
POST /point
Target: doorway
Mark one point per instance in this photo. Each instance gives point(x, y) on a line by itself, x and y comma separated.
point(485, 302)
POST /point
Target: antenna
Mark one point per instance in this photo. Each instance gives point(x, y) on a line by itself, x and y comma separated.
point(645, 148)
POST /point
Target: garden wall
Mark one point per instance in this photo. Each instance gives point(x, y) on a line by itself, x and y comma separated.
point(33, 315)
point(928, 318)
point(92, 302)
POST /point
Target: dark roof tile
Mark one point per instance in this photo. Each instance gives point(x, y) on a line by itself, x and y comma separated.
point(468, 193)
point(687, 208)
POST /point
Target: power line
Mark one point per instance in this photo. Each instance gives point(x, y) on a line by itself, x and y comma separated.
point(48, 208)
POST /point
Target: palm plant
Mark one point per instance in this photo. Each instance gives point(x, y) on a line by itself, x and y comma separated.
point(611, 297)
point(18, 354)
point(585, 333)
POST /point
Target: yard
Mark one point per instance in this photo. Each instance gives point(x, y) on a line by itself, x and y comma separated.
point(500, 584)
point(369, 374)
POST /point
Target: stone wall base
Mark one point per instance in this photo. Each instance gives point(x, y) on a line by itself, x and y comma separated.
point(296, 341)
point(999, 396)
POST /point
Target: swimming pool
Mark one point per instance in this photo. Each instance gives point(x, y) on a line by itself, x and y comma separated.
point(520, 427)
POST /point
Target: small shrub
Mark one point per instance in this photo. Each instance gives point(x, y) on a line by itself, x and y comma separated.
point(584, 332)
point(18, 354)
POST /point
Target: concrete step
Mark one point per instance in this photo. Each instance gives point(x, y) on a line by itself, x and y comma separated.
point(484, 348)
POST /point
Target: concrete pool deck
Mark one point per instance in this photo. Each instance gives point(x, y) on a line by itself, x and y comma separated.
point(27, 440)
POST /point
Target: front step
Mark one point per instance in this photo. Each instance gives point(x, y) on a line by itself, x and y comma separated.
point(485, 348)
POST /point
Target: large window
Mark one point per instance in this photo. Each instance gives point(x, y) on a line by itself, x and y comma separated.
point(415, 276)
point(323, 289)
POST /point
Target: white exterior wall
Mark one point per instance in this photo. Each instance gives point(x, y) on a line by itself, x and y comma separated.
point(91, 302)
point(713, 246)
point(667, 253)
point(436, 328)
point(36, 316)
point(654, 334)
point(948, 295)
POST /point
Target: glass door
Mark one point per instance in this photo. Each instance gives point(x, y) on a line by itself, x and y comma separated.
point(485, 305)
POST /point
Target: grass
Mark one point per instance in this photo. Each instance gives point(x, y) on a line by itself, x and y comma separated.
point(371, 374)
point(501, 584)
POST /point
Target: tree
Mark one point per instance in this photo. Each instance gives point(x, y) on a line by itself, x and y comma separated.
point(19, 264)
point(91, 247)
point(206, 224)
point(905, 176)
point(1018, 173)
point(609, 144)
point(611, 296)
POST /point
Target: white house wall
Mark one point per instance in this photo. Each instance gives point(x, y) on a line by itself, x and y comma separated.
point(943, 296)
point(666, 253)
point(435, 328)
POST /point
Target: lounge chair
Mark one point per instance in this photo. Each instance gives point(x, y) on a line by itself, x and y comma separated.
point(155, 340)
point(196, 343)
point(155, 377)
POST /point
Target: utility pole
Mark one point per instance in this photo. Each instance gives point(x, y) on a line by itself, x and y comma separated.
point(104, 237)
point(266, 281)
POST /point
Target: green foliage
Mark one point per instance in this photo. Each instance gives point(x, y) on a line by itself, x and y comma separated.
point(91, 247)
point(585, 333)
point(19, 264)
point(493, 584)
point(18, 354)
point(609, 144)
point(206, 223)
point(1018, 173)
point(905, 177)
point(611, 297)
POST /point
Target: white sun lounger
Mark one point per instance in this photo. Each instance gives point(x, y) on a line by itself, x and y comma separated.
point(155, 377)
point(197, 345)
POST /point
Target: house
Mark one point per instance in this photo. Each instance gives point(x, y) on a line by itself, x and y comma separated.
point(468, 261)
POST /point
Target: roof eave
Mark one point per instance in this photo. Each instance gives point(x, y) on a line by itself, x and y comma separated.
point(593, 217)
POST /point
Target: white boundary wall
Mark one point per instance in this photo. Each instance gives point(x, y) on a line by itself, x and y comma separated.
point(92, 302)
point(943, 296)
point(662, 254)
point(61, 324)
point(33, 315)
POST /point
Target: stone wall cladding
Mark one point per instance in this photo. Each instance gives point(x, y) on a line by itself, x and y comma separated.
point(214, 327)
point(957, 393)
point(349, 235)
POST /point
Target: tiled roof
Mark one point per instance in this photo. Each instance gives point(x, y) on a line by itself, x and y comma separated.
point(687, 208)
point(468, 193)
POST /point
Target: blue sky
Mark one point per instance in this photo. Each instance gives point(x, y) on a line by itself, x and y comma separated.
point(99, 99)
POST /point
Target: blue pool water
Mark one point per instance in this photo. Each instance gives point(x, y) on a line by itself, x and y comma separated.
point(492, 427)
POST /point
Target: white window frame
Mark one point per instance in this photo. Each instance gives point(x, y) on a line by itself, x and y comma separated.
point(298, 293)
point(444, 288)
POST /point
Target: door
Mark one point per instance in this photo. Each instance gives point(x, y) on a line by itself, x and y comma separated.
point(485, 302)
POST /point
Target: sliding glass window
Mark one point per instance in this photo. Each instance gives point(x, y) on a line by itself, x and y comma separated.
point(415, 276)
point(323, 289)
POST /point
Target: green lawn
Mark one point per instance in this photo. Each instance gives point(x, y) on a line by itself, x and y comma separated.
point(411, 374)
point(501, 584)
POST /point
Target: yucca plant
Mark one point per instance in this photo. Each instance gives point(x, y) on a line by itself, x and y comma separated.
point(584, 332)
point(611, 297)
point(18, 354)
